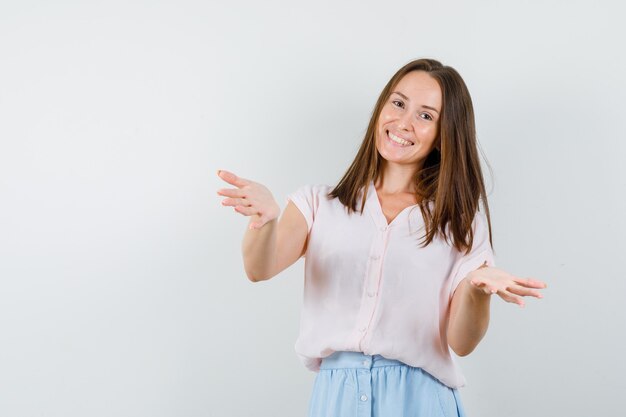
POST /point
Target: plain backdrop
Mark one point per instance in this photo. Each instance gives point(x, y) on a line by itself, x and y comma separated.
point(122, 289)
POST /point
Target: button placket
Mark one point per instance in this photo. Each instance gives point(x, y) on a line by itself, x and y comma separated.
point(371, 283)
point(376, 267)
point(364, 392)
point(369, 302)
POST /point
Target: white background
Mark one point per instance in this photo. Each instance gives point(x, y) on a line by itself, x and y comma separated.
point(122, 291)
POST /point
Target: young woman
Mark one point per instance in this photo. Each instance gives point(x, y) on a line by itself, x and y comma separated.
point(399, 266)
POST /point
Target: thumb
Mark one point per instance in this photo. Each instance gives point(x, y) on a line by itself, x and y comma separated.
point(231, 178)
point(260, 222)
point(482, 286)
point(256, 225)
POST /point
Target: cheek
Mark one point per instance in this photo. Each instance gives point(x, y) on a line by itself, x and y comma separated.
point(427, 130)
point(380, 126)
point(385, 116)
point(377, 139)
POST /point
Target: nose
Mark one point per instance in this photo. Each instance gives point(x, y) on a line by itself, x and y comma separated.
point(404, 122)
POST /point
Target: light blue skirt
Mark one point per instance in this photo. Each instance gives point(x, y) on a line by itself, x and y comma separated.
point(352, 384)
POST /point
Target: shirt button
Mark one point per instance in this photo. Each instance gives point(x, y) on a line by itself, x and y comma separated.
point(383, 229)
point(371, 294)
point(375, 257)
point(363, 329)
point(366, 363)
point(363, 397)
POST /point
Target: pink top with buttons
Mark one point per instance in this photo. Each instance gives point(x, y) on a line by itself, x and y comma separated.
point(370, 288)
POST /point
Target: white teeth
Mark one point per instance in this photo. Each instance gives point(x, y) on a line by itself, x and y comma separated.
point(398, 140)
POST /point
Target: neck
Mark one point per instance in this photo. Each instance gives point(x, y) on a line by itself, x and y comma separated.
point(396, 179)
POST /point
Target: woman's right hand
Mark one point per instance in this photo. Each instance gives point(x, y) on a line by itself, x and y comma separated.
point(249, 198)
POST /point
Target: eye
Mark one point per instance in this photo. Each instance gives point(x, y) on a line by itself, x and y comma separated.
point(426, 116)
point(398, 103)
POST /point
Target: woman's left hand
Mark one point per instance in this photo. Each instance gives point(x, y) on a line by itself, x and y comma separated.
point(491, 280)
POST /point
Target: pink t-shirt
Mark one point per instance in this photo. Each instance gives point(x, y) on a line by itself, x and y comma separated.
point(369, 287)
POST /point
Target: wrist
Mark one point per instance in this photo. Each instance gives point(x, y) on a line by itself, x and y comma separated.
point(275, 213)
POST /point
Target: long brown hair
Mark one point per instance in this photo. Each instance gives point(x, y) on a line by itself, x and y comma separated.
point(450, 177)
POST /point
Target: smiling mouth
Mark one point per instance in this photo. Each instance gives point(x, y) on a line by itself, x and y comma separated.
point(398, 140)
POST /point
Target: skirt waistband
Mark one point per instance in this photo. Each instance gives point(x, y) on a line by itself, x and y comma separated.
point(357, 360)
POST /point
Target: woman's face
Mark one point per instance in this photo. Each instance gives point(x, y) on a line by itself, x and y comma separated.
point(408, 122)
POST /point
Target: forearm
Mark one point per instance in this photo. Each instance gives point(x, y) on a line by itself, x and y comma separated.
point(469, 318)
point(259, 250)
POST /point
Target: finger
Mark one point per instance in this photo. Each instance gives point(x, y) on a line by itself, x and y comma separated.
point(231, 178)
point(257, 225)
point(231, 192)
point(484, 287)
point(487, 289)
point(478, 283)
point(246, 211)
point(236, 202)
point(524, 292)
point(260, 222)
point(530, 283)
point(510, 298)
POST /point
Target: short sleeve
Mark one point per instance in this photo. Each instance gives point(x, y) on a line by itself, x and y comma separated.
point(480, 254)
point(306, 199)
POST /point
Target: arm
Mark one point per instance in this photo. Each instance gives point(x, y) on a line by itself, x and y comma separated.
point(275, 246)
point(469, 308)
point(469, 318)
point(269, 246)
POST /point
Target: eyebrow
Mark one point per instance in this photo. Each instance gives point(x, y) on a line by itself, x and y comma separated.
point(407, 99)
